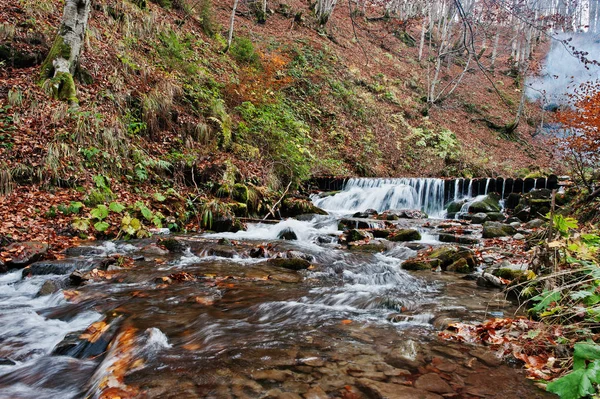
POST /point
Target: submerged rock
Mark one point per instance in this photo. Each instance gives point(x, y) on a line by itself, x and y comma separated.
point(174, 245)
point(287, 234)
point(356, 235)
point(51, 286)
point(455, 206)
point(290, 264)
point(66, 266)
point(421, 264)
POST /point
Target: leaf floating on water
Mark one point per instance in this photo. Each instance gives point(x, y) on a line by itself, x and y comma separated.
point(346, 321)
point(191, 347)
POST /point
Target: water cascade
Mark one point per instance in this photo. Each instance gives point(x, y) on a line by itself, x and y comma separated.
point(360, 194)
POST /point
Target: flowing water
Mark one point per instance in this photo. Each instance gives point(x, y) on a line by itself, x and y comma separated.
point(230, 324)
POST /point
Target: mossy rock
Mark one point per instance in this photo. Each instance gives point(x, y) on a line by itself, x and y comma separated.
point(460, 239)
point(455, 206)
point(496, 216)
point(448, 256)
point(403, 235)
point(239, 192)
point(370, 247)
point(460, 266)
point(491, 203)
point(508, 274)
point(292, 207)
point(239, 209)
point(290, 264)
point(420, 264)
point(496, 229)
point(380, 233)
point(355, 235)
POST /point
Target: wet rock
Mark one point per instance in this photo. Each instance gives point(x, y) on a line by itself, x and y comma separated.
point(26, 253)
point(371, 246)
point(488, 280)
point(356, 235)
point(403, 214)
point(51, 286)
point(222, 251)
point(369, 213)
point(174, 245)
point(449, 351)
point(495, 229)
point(383, 390)
point(460, 266)
point(353, 224)
point(227, 225)
point(292, 207)
point(84, 250)
point(512, 220)
point(279, 394)
point(512, 200)
point(163, 280)
point(66, 266)
point(486, 357)
point(449, 255)
point(432, 382)
point(519, 236)
point(287, 234)
point(4, 361)
point(298, 255)
point(457, 238)
point(455, 206)
point(329, 239)
point(489, 204)
point(225, 241)
point(421, 264)
point(516, 225)
point(153, 249)
point(405, 356)
point(404, 235)
point(3, 267)
point(286, 277)
point(479, 218)
point(380, 233)
point(496, 216)
point(91, 343)
point(290, 264)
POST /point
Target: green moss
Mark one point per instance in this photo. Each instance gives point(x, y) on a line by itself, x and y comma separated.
point(405, 235)
point(240, 193)
point(63, 88)
point(509, 274)
point(59, 49)
point(140, 3)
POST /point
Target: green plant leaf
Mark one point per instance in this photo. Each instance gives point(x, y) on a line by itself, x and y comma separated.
point(101, 226)
point(159, 197)
point(146, 213)
point(116, 207)
point(81, 224)
point(74, 207)
point(100, 212)
point(545, 299)
point(585, 351)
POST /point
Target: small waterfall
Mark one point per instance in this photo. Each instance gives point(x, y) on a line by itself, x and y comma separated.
point(456, 187)
point(359, 194)
point(487, 185)
point(503, 188)
point(470, 192)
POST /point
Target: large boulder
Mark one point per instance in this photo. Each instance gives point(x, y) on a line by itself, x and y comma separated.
point(404, 235)
point(479, 218)
point(420, 264)
point(496, 229)
point(491, 203)
point(356, 235)
point(25, 253)
point(449, 255)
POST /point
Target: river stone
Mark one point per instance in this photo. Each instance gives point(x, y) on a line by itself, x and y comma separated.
point(290, 264)
point(31, 251)
point(460, 239)
point(496, 229)
point(479, 218)
point(383, 390)
point(380, 233)
point(489, 281)
point(461, 266)
point(421, 264)
point(174, 245)
point(372, 246)
point(455, 206)
point(489, 204)
point(227, 225)
point(316, 393)
point(405, 235)
point(4, 361)
point(283, 277)
point(292, 207)
point(519, 236)
point(66, 266)
point(432, 382)
point(287, 234)
point(51, 286)
point(356, 235)
point(272, 375)
point(486, 357)
point(352, 224)
point(496, 216)
point(84, 250)
point(449, 255)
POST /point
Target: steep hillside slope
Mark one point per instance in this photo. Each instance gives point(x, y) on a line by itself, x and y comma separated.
point(163, 105)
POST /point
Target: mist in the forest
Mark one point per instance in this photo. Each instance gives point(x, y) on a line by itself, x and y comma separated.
point(562, 71)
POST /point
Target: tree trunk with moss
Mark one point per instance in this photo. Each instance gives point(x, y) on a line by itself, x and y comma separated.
point(62, 61)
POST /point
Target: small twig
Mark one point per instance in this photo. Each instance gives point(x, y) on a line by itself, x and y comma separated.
point(274, 208)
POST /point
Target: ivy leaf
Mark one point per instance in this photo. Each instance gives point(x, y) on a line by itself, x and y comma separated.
point(116, 207)
point(101, 226)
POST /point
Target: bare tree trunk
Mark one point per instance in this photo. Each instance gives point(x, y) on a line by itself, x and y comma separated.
point(231, 24)
point(426, 19)
point(495, 48)
point(62, 62)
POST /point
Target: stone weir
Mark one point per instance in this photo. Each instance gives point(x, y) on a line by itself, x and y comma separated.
point(459, 187)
